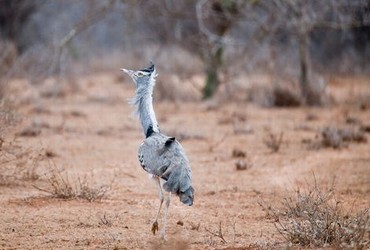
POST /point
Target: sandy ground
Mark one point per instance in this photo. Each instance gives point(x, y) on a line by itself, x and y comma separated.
point(93, 133)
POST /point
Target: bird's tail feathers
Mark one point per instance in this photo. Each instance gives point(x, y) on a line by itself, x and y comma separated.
point(187, 197)
point(179, 182)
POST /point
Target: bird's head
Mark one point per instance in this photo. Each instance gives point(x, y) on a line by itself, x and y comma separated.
point(143, 78)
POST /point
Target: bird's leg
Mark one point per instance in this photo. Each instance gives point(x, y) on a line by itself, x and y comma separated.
point(168, 201)
point(155, 223)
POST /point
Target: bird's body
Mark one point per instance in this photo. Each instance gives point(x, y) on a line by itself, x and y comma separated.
point(164, 157)
point(160, 155)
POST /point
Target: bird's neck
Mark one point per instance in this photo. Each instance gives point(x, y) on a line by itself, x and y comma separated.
point(143, 102)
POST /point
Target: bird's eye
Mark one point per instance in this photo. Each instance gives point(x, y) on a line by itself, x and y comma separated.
point(139, 74)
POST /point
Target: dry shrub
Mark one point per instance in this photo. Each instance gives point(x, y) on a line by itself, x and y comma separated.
point(8, 117)
point(59, 186)
point(172, 87)
point(239, 123)
point(238, 153)
point(17, 163)
point(285, 97)
point(32, 64)
point(219, 234)
point(337, 138)
point(315, 218)
point(274, 141)
point(285, 91)
point(275, 93)
point(260, 95)
point(105, 220)
point(85, 190)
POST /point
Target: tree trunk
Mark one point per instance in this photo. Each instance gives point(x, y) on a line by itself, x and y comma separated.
point(303, 63)
point(219, 20)
point(212, 70)
point(311, 94)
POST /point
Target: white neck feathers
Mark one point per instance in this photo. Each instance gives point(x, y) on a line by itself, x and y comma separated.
point(143, 103)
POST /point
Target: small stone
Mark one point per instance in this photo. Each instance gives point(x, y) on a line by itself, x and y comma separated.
point(241, 165)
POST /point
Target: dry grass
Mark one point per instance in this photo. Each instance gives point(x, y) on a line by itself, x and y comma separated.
point(17, 163)
point(59, 186)
point(315, 218)
point(8, 117)
point(274, 141)
point(105, 220)
point(14, 171)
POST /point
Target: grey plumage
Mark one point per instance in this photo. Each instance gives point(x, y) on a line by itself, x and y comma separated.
point(169, 162)
point(159, 155)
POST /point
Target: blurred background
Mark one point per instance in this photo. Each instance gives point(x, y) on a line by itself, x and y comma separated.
point(266, 96)
point(222, 46)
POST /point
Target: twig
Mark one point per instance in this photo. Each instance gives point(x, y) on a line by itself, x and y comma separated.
point(274, 141)
point(218, 234)
point(91, 18)
point(215, 144)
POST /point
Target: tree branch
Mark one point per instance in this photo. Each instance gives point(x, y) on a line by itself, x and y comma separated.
point(90, 18)
point(214, 38)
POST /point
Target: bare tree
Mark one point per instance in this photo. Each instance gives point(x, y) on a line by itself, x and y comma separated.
point(198, 26)
point(227, 35)
point(206, 28)
point(38, 57)
point(94, 14)
point(297, 20)
point(215, 19)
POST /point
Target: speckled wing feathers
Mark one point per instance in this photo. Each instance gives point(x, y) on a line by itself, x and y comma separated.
point(163, 156)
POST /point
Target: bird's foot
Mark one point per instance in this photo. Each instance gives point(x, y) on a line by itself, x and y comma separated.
point(155, 227)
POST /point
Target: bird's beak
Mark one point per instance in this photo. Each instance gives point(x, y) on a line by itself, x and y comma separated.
point(129, 72)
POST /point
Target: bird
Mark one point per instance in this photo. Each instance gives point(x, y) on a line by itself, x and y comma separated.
point(160, 155)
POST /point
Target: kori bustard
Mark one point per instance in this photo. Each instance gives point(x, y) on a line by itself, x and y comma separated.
point(160, 155)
